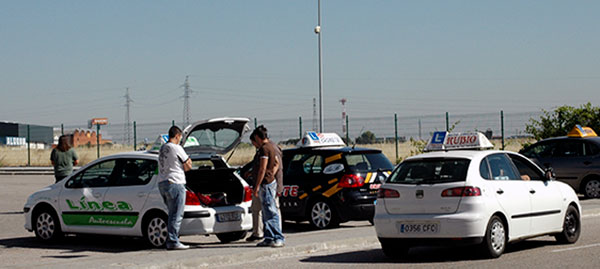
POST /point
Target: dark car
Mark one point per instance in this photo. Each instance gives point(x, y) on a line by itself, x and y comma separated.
point(575, 160)
point(327, 185)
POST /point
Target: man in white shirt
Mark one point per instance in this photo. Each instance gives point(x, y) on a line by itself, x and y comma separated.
point(172, 164)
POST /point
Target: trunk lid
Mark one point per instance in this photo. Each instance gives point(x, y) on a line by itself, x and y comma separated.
point(421, 183)
point(214, 136)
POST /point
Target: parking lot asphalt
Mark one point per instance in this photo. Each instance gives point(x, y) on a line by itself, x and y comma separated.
point(20, 249)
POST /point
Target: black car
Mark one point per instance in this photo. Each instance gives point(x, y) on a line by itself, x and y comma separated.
point(575, 160)
point(328, 185)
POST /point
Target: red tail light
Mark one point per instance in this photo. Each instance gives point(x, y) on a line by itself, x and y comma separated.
point(387, 193)
point(351, 181)
point(247, 194)
point(191, 198)
point(461, 192)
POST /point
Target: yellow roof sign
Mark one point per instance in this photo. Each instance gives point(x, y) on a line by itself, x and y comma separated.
point(579, 131)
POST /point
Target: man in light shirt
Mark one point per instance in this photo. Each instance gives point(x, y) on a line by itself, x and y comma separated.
point(172, 164)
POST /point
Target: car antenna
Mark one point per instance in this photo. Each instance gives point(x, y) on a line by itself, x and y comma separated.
point(359, 133)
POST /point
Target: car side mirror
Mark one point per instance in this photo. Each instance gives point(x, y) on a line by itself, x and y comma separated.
point(549, 173)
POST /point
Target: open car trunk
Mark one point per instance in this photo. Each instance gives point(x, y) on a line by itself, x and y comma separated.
point(215, 182)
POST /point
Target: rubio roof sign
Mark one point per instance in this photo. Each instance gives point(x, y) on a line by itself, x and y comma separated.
point(453, 141)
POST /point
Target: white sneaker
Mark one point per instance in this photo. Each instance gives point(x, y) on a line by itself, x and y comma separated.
point(277, 244)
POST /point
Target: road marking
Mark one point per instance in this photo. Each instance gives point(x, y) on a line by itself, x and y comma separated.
point(591, 215)
point(575, 248)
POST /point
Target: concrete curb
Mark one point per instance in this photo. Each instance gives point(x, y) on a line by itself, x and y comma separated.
point(260, 254)
point(29, 170)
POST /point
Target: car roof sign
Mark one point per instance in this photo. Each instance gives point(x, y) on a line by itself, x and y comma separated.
point(456, 141)
point(314, 139)
point(579, 131)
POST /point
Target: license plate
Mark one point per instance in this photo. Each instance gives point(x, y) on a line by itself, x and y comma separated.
point(231, 216)
point(418, 227)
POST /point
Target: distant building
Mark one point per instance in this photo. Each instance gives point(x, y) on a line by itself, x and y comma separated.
point(15, 134)
point(82, 137)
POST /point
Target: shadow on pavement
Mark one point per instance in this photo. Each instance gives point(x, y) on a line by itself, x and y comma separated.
point(292, 227)
point(422, 254)
point(79, 243)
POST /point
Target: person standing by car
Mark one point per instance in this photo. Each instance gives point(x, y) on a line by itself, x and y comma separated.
point(264, 170)
point(172, 164)
point(257, 223)
point(63, 158)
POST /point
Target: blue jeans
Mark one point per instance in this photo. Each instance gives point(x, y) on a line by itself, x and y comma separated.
point(270, 214)
point(174, 197)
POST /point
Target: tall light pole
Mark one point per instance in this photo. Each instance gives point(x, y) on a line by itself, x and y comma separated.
point(318, 32)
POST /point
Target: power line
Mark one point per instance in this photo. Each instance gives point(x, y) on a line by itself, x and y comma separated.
point(187, 92)
point(127, 124)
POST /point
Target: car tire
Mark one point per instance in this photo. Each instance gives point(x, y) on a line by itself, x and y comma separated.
point(47, 225)
point(494, 242)
point(231, 236)
point(393, 248)
point(591, 188)
point(321, 215)
point(571, 227)
point(155, 231)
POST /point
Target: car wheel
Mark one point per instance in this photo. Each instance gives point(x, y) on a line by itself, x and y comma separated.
point(232, 236)
point(47, 225)
point(571, 227)
point(393, 248)
point(155, 230)
point(322, 215)
point(591, 189)
point(494, 241)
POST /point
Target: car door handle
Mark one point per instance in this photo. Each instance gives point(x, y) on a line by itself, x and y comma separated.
point(500, 191)
point(141, 194)
point(532, 191)
point(97, 195)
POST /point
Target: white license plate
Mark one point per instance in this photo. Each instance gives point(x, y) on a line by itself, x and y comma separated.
point(418, 227)
point(231, 216)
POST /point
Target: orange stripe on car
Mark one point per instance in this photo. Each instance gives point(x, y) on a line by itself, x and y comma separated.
point(303, 196)
point(317, 188)
point(332, 181)
point(332, 191)
point(333, 158)
point(369, 175)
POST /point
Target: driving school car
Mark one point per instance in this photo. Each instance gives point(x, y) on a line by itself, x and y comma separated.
point(119, 194)
point(326, 182)
point(459, 193)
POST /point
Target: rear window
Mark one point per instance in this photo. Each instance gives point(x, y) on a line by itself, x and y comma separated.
point(430, 171)
point(367, 162)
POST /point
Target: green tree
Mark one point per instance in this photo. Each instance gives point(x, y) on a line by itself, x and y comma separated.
point(560, 121)
point(366, 138)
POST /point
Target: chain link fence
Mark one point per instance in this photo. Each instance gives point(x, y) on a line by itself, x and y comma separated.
point(30, 145)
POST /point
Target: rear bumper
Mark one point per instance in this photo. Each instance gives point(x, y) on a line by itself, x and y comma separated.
point(205, 222)
point(356, 206)
point(452, 227)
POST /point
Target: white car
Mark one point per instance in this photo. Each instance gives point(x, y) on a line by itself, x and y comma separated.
point(463, 196)
point(119, 194)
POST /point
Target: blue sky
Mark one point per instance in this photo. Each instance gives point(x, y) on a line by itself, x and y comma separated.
point(68, 61)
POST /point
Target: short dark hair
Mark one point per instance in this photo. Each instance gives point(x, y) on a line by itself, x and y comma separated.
point(260, 131)
point(173, 131)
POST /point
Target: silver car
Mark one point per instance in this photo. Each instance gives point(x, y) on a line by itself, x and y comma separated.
point(575, 160)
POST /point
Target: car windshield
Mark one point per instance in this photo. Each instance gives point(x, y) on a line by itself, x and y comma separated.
point(368, 162)
point(430, 171)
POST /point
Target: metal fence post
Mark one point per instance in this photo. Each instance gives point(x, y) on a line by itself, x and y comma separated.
point(62, 129)
point(347, 130)
point(300, 127)
point(447, 123)
point(255, 124)
point(172, 122)
point(98, 138)
point(502, 126)
point(396, 135)
point(28, 147)
point(134, 137)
